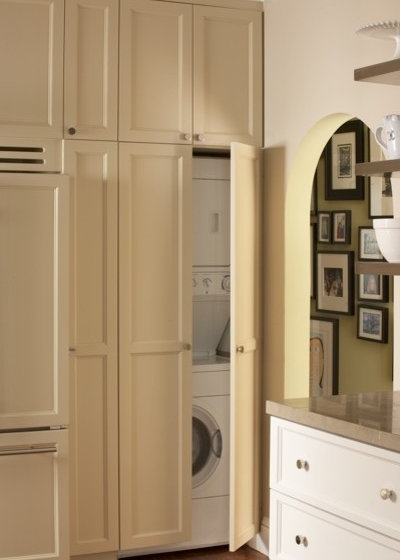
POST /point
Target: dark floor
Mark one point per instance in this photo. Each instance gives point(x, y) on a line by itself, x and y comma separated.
point(211, 553)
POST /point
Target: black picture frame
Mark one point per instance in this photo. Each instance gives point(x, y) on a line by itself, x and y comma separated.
point(373, 287)
point(335, 282)
point(341, 226)
point(324, 234)
point(372, 323)
point(313, 244)
point(324, 356)
point(343, 151)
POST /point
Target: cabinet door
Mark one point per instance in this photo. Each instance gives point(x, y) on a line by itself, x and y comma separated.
point(31, 63)
point(34, 495)
point(155, 72)
point(246, 309)
point(93, 341)
point(155, 333)
point(91, 69)
point(227, 76)
point(33, 300)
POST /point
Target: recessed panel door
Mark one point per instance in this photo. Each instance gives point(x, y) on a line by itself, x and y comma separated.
point(155, 335)
point(93, 346)
point(33, 300)
point(31, 68)
point(246, 313)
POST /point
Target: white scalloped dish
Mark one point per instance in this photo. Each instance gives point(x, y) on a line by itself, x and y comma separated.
point(384, 30)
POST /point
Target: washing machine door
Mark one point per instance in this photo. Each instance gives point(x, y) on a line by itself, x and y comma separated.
point(206, 445)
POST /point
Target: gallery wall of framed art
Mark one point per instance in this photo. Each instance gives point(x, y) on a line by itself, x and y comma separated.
point(359, 306)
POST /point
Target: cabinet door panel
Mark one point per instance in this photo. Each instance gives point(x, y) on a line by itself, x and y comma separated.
point(155, 72)
point(34, 495)
point(246, 204)
point(227, 76)
point(91, 69)
point(155, 328)
point(93, 341)
point(33, 300)
point(31, 68)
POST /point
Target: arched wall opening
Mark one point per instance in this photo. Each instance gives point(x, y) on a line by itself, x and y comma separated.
point(297, 255)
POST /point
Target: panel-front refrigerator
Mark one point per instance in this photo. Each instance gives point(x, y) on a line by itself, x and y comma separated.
point(33, 365)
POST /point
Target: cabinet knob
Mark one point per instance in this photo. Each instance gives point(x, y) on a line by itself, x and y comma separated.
point(187, 346)
point(200, 137)
point(240, 349)
point(387, 494)
point(187, 137)
point(302, 464)
point(71, 131)
point(301, 540)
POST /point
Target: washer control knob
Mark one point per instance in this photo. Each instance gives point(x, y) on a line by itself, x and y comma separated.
point(226, 283)
point(207, 282)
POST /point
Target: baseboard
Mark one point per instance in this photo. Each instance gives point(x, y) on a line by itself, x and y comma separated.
point(261, 541)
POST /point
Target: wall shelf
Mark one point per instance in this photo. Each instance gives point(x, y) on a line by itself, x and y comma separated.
point(377, 267)
point(379, 168)
point(383, 73)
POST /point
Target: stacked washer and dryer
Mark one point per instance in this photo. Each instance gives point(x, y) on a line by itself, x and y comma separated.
point(211, 350)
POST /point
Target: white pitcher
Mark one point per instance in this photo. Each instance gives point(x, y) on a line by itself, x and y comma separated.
point(388, 136)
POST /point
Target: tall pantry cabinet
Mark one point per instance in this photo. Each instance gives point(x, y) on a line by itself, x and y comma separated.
point(145, 82)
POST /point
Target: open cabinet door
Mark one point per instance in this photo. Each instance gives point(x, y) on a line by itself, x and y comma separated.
point(245, 342)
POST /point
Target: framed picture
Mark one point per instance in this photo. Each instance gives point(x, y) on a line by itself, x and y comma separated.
point(324, 227)
point(368, 249)
point(372, 323)
point(380, 200)
point(335, 281)
point(312, 259)
point(373, 287)
point(341, 227)
point(343, 151)
point(380, 197)
point(324, 356)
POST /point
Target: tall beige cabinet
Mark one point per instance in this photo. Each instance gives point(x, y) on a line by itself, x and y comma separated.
point(126, 89)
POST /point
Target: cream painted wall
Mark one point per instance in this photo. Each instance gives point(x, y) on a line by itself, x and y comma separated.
point(311, 51)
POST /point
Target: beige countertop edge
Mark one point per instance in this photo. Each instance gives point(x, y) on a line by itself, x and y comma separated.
point(335, 426)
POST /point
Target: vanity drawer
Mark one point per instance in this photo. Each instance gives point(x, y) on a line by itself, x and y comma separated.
point(300, 532)
point(345, 477)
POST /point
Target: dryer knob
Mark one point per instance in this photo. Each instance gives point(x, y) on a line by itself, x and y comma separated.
point(226, 283)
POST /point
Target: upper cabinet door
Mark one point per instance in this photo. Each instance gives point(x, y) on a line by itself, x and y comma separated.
point(155, 72)
point(246, 313)
point(227, 76)
point(91, 69)
point(31, 68)
point(33, 300)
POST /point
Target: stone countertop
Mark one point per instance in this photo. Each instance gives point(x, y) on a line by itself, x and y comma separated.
point(372, 418)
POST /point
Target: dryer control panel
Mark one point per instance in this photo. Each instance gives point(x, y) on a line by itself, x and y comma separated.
point(211, 283)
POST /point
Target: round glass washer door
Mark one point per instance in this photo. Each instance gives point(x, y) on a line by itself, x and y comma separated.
point(206, 445)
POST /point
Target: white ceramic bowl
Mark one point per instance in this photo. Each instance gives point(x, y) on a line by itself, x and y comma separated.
point(387, 231)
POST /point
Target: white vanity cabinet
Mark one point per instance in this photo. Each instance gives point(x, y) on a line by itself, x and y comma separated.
point(31, 68)
point(332, 497)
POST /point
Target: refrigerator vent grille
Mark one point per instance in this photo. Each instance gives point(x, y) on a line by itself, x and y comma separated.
point(30, 155)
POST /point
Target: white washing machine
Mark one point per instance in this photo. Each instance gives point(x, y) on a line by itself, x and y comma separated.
point(211, 406)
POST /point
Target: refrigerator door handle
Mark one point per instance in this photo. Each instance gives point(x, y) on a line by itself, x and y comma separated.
point(27, 450)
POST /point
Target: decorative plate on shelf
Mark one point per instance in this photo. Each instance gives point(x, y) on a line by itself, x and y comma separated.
point(384, 30)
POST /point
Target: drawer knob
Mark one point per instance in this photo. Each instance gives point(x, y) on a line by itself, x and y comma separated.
point(302, 464)
point(387, 494)
point(300, 539)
